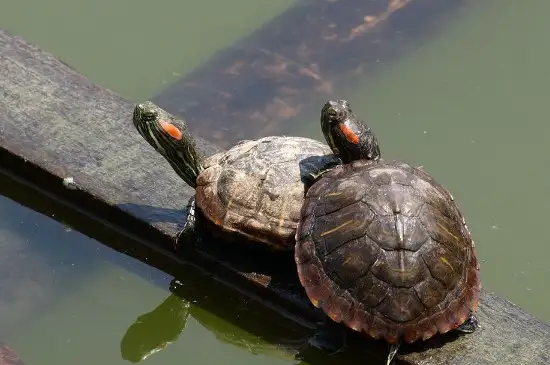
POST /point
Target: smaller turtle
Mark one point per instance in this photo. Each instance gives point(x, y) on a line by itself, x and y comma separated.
point(384, 249)
point(253, 191)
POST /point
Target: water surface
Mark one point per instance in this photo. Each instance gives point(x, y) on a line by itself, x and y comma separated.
point(470, 106)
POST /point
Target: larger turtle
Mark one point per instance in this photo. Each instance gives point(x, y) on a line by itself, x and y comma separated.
point(253, 191)
point(384, 249)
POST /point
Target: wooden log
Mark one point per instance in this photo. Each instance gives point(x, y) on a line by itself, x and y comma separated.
point(281, 71)
point(74, 141)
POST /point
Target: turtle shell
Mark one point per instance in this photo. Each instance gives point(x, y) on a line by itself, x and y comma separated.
point(383, 248)
point(257, 188)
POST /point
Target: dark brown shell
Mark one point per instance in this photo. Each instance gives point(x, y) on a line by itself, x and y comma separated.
point(256, 189)
point(383, 248)
point(8, 356)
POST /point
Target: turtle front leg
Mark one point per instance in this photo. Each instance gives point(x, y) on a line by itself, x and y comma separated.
point(469, 325)
point(311, 177)
point(187, 236)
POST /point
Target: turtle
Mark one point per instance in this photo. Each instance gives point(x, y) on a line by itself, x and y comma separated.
point(384, 249)
point(252, 192)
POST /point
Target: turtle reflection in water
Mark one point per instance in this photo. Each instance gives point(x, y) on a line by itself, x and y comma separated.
point(156, 330)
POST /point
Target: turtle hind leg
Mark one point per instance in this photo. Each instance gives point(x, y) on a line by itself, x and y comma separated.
point(469, 325)
point(393, 351)
point(187, 236)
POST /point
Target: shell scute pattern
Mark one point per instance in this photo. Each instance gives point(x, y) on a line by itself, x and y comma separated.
point(257, 187)
point(354, 223)
point(393, 245)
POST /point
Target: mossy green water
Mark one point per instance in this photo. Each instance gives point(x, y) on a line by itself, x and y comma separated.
point(470, 106)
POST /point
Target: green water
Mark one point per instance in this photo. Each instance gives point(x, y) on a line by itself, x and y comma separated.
point(135, 47)
point(83, 298)
point(470, 106)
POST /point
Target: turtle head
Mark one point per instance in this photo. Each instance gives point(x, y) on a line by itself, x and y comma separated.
point(349, 137)
point(170, 137)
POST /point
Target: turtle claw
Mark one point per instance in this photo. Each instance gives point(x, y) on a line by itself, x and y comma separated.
point(469, 325)
point(187, 235)
point(393, 351)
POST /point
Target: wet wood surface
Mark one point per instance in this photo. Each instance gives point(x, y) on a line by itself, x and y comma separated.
point(74, 142)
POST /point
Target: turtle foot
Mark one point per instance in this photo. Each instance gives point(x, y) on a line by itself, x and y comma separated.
point(469, 325)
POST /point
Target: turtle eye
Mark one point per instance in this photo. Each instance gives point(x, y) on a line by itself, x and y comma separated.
point(148, 116)
point(337, 114)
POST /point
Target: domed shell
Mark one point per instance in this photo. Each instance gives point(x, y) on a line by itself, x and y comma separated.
point(383, 248)
point(256, 189)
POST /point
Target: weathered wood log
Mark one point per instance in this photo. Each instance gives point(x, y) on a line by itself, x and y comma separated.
point(74, 141)
point(306, 54)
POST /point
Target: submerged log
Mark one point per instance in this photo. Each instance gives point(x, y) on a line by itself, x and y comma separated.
point(281, 72)
point(74, 142)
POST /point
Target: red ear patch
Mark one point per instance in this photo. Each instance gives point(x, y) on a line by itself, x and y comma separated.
point(349, 134)
point(172, 130)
